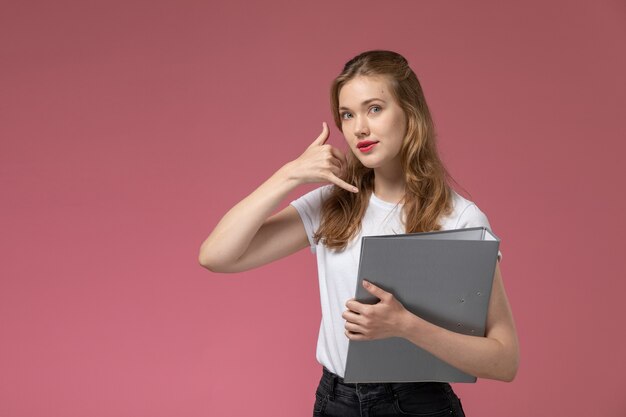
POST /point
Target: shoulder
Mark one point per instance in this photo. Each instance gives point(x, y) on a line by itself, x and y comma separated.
point(310, 203)
point(466, 213)
point(316, 195)
point(309, 208)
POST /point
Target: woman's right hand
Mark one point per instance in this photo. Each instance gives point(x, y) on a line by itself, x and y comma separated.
point(321, 162)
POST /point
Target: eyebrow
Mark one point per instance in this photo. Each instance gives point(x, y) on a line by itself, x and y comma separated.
point(366, 102)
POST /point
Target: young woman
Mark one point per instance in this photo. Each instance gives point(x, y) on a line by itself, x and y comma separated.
point(391, 181)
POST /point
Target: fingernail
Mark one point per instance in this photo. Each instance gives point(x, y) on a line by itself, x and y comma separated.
point(366, 283)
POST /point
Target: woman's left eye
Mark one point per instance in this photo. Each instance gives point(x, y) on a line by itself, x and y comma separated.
point(376, 107)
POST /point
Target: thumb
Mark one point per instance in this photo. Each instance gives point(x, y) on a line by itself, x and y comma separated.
point(323, 136)
point(375, 290)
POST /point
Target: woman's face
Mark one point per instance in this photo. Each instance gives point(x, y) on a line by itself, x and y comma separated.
point(370, 114)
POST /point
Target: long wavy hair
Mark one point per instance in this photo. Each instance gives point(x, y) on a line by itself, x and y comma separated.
point(428, 195)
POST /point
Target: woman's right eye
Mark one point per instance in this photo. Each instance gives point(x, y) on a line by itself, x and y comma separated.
point(345, 115)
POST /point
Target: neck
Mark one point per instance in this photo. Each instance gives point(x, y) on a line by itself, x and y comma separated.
point(389, 183)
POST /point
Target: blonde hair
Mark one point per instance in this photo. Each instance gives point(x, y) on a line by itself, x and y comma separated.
point(427, 194)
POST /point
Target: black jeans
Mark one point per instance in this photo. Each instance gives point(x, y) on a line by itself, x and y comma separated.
point(334, 397)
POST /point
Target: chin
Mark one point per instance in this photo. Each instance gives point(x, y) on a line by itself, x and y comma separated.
point(370, 162)
point(370, 165)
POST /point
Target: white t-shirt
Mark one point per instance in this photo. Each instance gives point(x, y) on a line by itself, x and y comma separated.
point(337, 271)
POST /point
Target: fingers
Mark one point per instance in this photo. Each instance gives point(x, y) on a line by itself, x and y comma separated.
point(336, 163)
point(355, 307)
point(338, 155)
point(351, 316)
point(354, 328)
point(321, 140)
point(337, 159)
point(341, 183)
point(336, 170)
point(354, 336)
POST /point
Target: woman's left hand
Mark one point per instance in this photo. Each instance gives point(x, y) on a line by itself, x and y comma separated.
point(387, 318)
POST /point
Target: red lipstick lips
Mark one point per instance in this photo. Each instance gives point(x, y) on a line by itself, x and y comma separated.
point(366, 145)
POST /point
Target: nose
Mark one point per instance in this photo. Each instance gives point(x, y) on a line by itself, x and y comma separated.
point(361, 129)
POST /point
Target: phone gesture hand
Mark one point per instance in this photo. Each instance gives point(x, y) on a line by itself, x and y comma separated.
point(321, 162)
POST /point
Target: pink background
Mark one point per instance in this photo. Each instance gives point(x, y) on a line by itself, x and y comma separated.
point(128, 129)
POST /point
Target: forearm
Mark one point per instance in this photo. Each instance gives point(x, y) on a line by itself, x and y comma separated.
point(231, 237)
point(482, 357)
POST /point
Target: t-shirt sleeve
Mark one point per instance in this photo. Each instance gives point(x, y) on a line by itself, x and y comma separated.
point(309, 207)
point(473, 217)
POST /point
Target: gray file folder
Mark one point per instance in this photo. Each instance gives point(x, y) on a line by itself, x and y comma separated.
point(443, 277)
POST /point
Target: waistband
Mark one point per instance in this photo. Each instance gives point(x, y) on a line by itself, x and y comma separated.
point(333, 384)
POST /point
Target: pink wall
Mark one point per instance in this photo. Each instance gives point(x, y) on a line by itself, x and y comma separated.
point(128, 129)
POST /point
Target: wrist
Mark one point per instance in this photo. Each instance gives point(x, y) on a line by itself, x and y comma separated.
point(413, 328)
point(287, 173)
point(407, 324)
